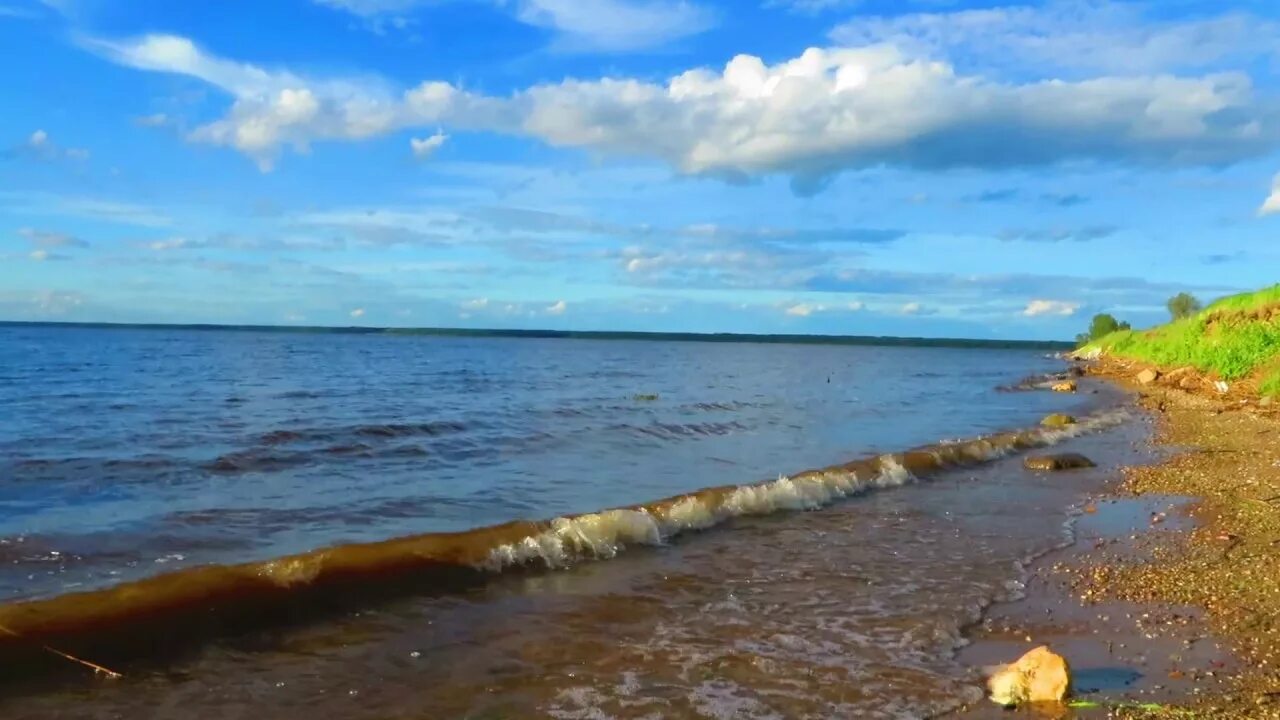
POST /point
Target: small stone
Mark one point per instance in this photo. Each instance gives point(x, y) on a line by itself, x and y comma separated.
point(1065, 387)
point(1039, 676)
point(1148, 376)
point(1057, 420)
point(1060, 461)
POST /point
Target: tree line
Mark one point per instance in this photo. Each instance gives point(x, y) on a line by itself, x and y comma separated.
point(1182, 305)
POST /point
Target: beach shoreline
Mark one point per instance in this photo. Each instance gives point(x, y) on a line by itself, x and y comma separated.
point(1166, 603)
point(1223, 451)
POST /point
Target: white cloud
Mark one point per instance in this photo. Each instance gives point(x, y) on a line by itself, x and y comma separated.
point(357, 313)
point(39, 255)
point(812, 7)
point(53, 302)
point(606, 25)
point(1050, 307)
point(40, 146)
point(154, 120)
point(558, 308)
point(372, 8)
point(810, 117)
point(1071, 35)
point(476, 304)
point(1271, 205)
point(616, 24)
point(426, 147)
point(913, 308)
point(807, 309)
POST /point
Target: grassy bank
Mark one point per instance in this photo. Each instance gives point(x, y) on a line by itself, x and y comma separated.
point(1236, 339)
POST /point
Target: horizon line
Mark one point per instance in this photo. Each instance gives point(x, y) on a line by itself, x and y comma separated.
point(680, 336)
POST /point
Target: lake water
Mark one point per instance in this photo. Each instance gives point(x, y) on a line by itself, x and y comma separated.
point(128, 454)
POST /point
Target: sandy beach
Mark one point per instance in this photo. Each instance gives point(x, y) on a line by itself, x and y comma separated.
point(1167, 603)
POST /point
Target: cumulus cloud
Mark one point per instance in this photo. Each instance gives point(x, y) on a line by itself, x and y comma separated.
point(1050, 307)
point(810, 117)
point(912, 308)
point(557, 308)
point(357, 313)
point(426, 147)
point(1271, 205)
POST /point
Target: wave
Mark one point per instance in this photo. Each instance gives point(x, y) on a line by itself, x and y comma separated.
point(172, 611)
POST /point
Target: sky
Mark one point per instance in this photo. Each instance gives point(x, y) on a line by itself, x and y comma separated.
point(954, 168)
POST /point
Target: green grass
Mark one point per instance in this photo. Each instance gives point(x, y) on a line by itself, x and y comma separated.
point(1219, 339)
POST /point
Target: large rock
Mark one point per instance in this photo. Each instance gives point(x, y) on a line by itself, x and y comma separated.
point(1060, 461)
point(1057, 420)
point(1148, 376)
point(1065, 387)
point(1040, 676)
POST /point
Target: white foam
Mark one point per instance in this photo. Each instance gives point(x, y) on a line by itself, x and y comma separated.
point(604, 534)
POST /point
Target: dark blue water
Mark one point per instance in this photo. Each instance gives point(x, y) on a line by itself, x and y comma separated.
point(124, 453)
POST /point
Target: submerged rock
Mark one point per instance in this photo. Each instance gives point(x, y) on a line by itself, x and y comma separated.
point(1060, 461)
point(1057, 420)
point(1065, 387)
point(1148, 376)
point(1040, 676)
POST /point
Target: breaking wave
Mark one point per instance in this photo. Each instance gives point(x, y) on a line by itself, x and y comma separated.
point(165, 612)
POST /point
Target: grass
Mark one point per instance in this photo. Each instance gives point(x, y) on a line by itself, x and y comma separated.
point(1230, 338)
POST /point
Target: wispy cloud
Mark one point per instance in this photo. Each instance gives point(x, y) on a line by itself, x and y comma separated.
point(40, 146)
point(579, 25)
point(1050, 307)
point(426, 147)
point(58, 206)
point(1128, 38)
point(1058, 234)
point(50, 239)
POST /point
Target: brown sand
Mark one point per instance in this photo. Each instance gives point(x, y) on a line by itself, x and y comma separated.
point(1168, 604)
point(1228, 457)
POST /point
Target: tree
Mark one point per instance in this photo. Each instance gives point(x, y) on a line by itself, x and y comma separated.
point(1183, 305)
point(1103, 324)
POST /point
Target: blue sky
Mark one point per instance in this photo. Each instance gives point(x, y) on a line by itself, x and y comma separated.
point(926, 168)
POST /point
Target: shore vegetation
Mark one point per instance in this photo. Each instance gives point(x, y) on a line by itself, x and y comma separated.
point(1235, 338)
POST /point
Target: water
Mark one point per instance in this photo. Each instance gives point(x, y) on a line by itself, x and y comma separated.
point(126, 454)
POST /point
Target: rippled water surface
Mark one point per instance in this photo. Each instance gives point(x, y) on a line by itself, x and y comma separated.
point(124, 454)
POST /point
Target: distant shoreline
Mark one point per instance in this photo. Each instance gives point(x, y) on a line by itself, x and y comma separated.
point(866, 340)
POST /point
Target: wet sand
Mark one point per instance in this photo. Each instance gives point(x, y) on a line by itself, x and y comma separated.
point(1226, 455)
point(1168, 602)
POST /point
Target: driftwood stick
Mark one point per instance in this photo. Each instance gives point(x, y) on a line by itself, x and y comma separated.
point(67, 656)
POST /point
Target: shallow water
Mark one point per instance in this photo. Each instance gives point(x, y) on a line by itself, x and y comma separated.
point(850, 610)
